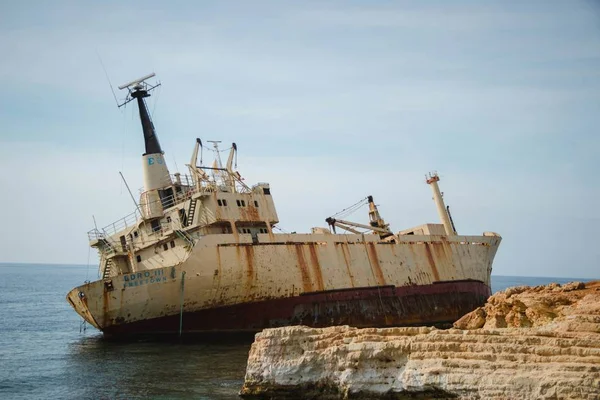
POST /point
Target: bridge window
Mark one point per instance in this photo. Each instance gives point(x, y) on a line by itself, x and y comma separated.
point(155, 225)
point(138, 258)
point(165, 247)
point(239, 204)
point(255, 203)
point(135, 233)
point(219, 202)
point(243, 203)
point(172, 243)
point(224, 203)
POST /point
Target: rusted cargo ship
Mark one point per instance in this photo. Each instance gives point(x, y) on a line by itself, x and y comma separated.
point(199, 255)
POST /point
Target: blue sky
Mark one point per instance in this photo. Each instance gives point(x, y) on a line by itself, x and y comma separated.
point(327, 101)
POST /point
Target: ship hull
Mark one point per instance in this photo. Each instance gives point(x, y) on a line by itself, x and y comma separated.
point(436, 304)
point(314, 280)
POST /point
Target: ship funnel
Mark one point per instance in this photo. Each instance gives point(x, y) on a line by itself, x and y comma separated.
point(156, 173)
point(433, 180)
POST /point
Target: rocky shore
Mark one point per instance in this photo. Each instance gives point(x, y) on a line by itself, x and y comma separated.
point(527, 342)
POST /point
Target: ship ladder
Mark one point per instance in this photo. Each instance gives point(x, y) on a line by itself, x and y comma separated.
point(107, 268)
point(186, 237)
point(107, 245)
point(191, 211)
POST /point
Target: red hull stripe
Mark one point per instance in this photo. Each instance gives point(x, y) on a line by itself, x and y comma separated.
point(435, 304)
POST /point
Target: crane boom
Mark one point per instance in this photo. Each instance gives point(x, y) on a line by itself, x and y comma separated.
point(340, 223)
point(377, 224)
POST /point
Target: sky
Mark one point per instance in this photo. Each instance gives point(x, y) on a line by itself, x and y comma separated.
point(328, 101)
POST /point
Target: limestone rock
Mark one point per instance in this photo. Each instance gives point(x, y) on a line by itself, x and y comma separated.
point(524, 306)
point(550, 349)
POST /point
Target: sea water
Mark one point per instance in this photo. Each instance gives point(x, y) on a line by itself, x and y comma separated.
point(46, 354)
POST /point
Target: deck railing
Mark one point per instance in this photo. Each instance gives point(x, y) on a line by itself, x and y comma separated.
point(188, 190)
point(117, 226)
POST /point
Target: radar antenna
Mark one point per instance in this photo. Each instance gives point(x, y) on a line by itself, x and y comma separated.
point(138, 88)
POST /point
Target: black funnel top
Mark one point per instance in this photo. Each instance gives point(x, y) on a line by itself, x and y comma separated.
point(150, 138)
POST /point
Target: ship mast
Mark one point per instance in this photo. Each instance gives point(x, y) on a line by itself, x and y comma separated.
point(156, 173)
point(150, 138)
point(432, 180)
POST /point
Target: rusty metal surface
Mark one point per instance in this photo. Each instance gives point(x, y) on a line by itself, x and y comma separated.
point(439, 304)
point(221, 273)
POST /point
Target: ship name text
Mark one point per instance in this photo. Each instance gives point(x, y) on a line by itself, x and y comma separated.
point(144, 278)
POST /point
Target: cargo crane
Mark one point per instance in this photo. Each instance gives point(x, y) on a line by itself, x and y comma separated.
point(376, 223)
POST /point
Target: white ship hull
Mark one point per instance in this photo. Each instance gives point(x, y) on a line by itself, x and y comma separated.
point(312, 279)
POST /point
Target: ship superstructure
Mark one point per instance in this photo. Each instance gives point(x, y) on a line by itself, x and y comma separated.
point(199, 254)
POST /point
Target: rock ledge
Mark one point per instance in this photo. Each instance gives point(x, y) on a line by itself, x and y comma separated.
point(527, 342)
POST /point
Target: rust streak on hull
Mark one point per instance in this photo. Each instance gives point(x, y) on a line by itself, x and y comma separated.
point(436, 274)
point(250, 264)
point(375, 264)
point(105, 307)
point(314, 259)
point(218, 273)
point(306, 282)
point(346, 255)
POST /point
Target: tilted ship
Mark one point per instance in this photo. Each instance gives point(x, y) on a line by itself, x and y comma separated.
point(199, 255)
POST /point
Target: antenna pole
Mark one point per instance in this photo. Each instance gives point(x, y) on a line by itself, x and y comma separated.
point(129, 190)
point(218, 156)
point(108, 79)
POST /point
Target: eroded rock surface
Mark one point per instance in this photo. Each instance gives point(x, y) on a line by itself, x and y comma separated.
point(534, 343)
point(571, 307)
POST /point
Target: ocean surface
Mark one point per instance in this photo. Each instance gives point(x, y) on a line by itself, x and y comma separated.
point(45, 353)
